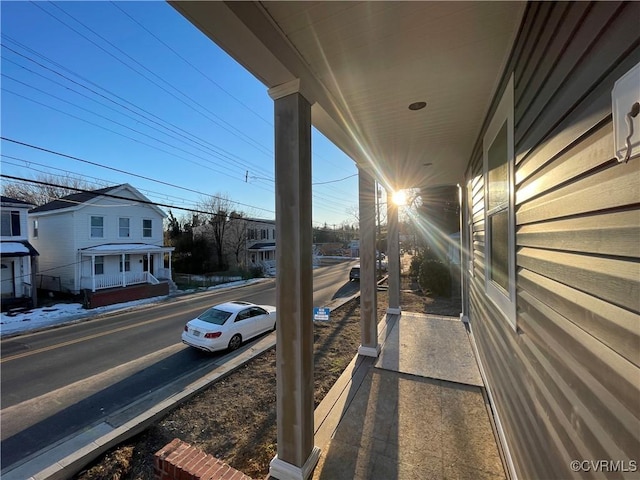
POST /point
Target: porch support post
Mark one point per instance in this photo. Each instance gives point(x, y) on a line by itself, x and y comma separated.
point(34, 287)
point(124, 278)
point(393, 256)
point(170, 266)
point(368, 279)
point(297, 455)
point(93, 273)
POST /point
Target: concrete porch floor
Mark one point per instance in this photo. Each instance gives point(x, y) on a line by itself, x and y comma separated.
point(417, 411)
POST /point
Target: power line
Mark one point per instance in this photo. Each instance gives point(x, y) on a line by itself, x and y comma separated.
point(174, 134)
point(120, 124)
point(323, 199)
point(71, 157)
point(117, 58)
point(118, 197)
point(118, 133)
point(109, 195)
point(192, 65)
point(335, 181)
point(81, 177)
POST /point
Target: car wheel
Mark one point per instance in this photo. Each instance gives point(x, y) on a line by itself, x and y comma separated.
point(235, 342)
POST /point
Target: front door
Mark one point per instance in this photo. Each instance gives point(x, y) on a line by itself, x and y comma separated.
point(7, 279)
point(148, 264)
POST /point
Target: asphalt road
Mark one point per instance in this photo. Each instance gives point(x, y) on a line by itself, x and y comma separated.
point(57, 382)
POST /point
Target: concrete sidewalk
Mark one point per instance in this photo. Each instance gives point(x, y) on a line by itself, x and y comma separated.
point(417, 411)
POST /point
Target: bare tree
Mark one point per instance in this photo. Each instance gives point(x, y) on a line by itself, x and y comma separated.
point(237, 234)
point(48, 188)
point(220, 207)
point(354, 211)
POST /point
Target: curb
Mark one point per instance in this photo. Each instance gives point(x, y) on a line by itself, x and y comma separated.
point(69, 456)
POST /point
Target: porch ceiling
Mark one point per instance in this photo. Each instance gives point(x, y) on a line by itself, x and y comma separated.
point(363, 63)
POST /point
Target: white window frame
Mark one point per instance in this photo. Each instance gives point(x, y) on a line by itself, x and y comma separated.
point(120, 227)
point(145, 229)
point(504, 300)
point(98, 261)
point(91, 235)
point(9, 222)
point(127, 263)
point(35, 228)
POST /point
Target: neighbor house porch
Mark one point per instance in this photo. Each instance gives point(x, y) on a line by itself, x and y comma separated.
point(121, 265)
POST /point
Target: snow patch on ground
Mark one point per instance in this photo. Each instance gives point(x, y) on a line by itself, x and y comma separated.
point(38, 318)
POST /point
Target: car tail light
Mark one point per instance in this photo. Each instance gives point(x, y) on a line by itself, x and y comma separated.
point(212, 334)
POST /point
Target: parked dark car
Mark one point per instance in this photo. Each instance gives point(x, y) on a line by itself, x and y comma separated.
point(354, 274)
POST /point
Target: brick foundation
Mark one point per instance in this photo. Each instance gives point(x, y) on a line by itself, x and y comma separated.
point(111, 296)
point(180, 461)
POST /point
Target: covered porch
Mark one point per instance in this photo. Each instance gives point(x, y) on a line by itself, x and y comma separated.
point(417, 411)
point(121, 265)
point(403, 88)
point(18, 268)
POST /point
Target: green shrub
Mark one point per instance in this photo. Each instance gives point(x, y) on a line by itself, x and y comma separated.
point(435, 277)
point(256, 272)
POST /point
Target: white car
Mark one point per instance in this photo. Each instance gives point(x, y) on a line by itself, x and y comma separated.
point(227, 325)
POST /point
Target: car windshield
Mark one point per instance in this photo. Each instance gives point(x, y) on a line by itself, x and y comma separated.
point(215, 316)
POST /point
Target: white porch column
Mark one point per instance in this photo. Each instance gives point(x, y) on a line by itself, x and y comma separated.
point(170, 275)
point(297, 455)
point(368, 279)
point(393, 256)
point(93, 273)
point(124, 275)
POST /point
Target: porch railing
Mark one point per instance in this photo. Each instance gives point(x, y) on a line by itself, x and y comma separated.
point(164, 273)
point(116, 280)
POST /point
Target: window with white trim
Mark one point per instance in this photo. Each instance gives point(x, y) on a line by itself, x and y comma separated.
point(35, 229)
point(10, 223)
point(98, 265)
point(124, 227)
point(147, 228)
point(127, 263)
point(499, 184)
point(97, 227)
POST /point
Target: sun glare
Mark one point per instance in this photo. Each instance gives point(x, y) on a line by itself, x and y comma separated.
point(400, 197)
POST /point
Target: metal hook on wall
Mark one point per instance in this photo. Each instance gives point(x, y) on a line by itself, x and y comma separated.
point(633, 113)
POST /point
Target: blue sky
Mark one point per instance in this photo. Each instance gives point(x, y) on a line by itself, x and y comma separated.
point(135, 87)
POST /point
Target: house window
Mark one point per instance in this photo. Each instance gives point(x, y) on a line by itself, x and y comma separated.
point(10, 224)
point(274, 233)
point(127, 263)
point(98, 268)
point(498, 162)
point(123, 227)
point(147, 230)
point(264, 234)
point(35, 229)
point(97, 227)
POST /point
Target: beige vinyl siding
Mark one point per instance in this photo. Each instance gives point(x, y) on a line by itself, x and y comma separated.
point(566, 384)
